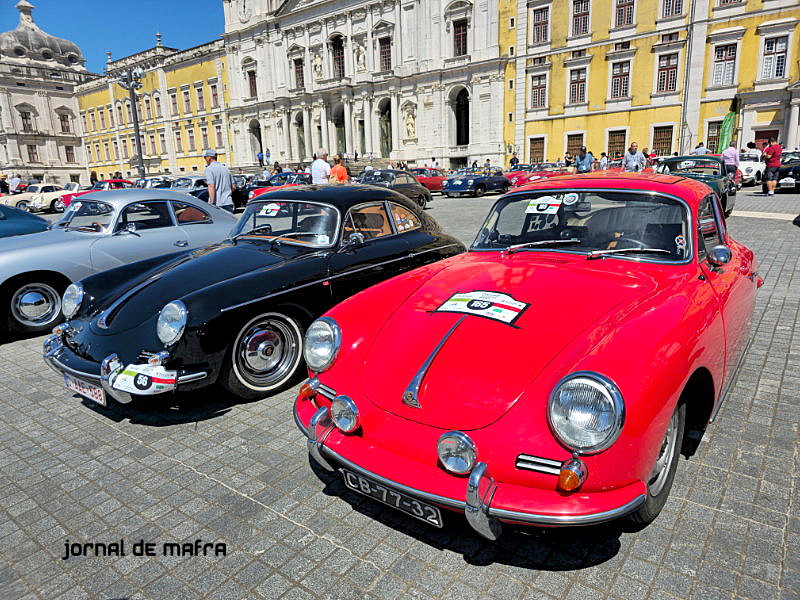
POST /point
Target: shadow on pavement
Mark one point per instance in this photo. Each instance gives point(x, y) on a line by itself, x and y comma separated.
point(548, 549)
point(166, 410)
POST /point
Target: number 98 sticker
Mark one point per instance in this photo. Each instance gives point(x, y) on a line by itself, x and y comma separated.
point(489, 305)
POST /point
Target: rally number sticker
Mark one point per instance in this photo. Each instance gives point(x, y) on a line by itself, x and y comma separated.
point(145, 379)
point(570, 199)
point(270, 210)
point(546, 205)
point(490, 305)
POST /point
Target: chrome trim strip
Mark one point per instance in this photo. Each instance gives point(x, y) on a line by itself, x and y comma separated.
point(529, 462)
point(410, 396)
point(326, 391)
point(189, 377)
point(332, 277)
point(319, 429)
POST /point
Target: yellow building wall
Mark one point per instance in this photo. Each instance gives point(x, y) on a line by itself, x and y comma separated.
point(508, 37)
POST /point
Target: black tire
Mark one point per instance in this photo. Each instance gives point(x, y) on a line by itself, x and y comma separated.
point(480, 191)
point(505, 189)
point(757, 179)
point(663, 474)
point(22, 205)
point(57, 206)
point(422, 202)
point(764, 188)
point(32, 305)
point(241, 373)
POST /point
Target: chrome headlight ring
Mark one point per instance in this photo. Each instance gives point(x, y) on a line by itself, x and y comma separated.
point(323, 341)
point(457, 452)
point(586, 412)
point(72, 299)
point(171, 322)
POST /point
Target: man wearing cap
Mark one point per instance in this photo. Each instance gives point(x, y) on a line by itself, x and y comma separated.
point(584, 161)
point(220, 182)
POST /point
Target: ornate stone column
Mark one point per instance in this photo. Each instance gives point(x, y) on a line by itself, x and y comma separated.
point(287, 133)
point(395, 99)
point(307, 132)
point(368, 116)
point(348, 125)
point(792, 134)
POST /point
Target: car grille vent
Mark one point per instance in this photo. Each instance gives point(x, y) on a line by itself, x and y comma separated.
point(538, 464)
point(326, 391)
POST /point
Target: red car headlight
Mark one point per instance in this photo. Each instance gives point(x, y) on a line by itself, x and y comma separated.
point(586, 412)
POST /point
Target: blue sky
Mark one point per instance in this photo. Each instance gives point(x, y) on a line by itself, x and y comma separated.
point(122, 26)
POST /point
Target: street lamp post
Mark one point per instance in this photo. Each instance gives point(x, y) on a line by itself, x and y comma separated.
point(131, 80)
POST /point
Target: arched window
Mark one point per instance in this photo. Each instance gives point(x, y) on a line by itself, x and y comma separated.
point(337, 55)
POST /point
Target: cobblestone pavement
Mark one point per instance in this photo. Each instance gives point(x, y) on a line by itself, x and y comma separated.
point(207, 468)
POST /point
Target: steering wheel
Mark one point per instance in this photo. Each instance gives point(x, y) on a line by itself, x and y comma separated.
point(97, 226)
point(628, 243)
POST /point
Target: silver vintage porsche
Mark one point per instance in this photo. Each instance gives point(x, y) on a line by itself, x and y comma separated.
point(98, 231)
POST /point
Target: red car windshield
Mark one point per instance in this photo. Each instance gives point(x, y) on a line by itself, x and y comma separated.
point(590, 221)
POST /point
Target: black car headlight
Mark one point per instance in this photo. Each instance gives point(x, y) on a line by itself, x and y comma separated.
point(586, 412)
point(72, 299)
point(171, 322)
point(322, 343)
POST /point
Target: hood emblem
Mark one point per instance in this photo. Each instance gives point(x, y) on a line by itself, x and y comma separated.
point(410, 396)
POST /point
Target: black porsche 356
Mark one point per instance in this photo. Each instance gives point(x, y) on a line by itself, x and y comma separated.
point(235, 312)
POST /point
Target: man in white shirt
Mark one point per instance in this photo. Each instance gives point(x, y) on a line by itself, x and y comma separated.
point(320, 169)
point(633, 161)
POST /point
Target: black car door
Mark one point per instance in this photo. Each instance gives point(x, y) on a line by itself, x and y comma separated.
point(382, 254)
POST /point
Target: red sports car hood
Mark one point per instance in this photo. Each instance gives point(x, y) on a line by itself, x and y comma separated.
point(486, 363)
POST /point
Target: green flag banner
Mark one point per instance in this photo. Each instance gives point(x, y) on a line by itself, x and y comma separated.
point(725, 131)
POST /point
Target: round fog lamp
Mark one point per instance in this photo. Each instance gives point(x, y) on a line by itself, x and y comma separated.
point(344, 414)
point(456, 451)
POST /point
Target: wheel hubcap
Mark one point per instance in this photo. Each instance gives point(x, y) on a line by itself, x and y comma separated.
point(36, 304)
point(661, 469)
point(266, 353)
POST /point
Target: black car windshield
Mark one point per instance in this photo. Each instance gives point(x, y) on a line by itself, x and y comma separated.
point(589, 221)
point(788, 157)
point(696, 166)
point(86, 215)
point(290, 222)
point(378, 177)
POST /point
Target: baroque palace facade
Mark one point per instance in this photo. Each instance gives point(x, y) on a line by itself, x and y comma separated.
point(182, 107)
point(383, 78)
point(450, 80)
point(40, 134)
point(663, 73)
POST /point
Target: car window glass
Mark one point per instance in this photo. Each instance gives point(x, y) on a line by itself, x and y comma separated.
point(290, 222)
point(187, 214)
point(87, 216)
point(602, 220)
point(709, 234)
point(145, 215)
point(371, 221)
point(404, 219)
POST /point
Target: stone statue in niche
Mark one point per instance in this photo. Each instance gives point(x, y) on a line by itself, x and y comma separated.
point(411, 124)
point(316, 63)
point(361, 58)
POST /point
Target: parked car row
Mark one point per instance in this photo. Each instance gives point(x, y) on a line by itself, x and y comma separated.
point(360, 288)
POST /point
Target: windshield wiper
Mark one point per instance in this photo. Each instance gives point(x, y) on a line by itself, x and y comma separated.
point(555, 242)
point(251, 232)
point(601, 253)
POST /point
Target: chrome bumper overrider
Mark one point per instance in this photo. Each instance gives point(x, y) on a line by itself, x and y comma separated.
point(479, 493)
point(108, 370)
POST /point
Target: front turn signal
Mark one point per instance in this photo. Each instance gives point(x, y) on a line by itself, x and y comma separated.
point(572, 475)
point(309, 389)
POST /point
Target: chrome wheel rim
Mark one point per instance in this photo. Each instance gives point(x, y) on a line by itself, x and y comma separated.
point(266, 352)
point(22, 205)
point(58, 206)
point(36, 305)
point(668, 446)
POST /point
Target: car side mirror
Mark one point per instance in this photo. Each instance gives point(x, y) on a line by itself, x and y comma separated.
point(719, 256)
point(354, 240)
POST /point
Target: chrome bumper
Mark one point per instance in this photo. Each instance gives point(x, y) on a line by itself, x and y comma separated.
point(479, 493)
point(108, 370)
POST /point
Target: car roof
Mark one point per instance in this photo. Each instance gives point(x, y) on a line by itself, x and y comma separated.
point(686, 188)
point(123, 196)
point(338, 195)
point(716, 157)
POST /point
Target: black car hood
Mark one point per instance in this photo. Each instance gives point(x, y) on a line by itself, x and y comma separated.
point(204, 268)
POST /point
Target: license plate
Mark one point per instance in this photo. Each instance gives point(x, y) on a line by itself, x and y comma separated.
point(407, 504)
point(85, 389)
point(787, 182)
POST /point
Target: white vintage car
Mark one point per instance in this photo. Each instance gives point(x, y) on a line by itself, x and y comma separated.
point(752, 167)
point(49, 196)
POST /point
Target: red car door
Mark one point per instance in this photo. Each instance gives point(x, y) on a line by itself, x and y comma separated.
point(734, 283)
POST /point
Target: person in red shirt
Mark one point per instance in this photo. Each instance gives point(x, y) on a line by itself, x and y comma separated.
point(772, 158)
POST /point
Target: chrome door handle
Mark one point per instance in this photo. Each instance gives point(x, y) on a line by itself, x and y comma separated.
point(181, 243)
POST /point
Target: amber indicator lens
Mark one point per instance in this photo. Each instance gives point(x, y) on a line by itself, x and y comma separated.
point(572, 475)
